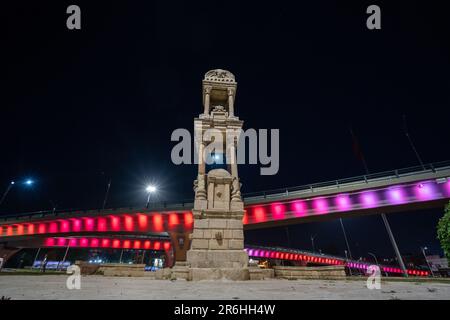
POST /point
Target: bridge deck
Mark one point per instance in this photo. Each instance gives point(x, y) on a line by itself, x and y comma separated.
point(313, 202)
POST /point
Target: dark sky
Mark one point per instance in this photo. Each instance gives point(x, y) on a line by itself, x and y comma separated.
point(100, 103)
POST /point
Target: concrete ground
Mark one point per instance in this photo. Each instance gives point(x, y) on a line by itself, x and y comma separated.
point(100, 287)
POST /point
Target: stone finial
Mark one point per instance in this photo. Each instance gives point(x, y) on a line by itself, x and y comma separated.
point(220, 75)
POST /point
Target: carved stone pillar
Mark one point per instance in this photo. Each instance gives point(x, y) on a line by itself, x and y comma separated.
point(207, 101)
point(235, 186)
point(200, 187)
point(230, 102)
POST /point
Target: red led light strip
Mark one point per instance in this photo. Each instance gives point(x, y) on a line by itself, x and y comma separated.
point(136, 222)
point(107, 243)
point(271, 254)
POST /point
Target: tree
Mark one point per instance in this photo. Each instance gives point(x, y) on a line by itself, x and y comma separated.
point(443, 231)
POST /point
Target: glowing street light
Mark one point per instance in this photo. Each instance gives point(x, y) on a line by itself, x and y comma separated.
point(426, 260)
point(27, 182)
point(151, 189)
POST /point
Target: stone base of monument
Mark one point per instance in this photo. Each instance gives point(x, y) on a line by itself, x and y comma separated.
point(197, 274)
point(217, 248)
point(180, 271)
point(325, 272)
point(122, 270)
point(112, 269)
point(257, 273)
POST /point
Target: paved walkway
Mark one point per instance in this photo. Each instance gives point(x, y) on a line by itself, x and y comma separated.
point(99, 287)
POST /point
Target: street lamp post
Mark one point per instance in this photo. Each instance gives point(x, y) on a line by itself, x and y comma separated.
point(426, 260)
point(36, 256)
point(121, 254)
point(27, 182)
point(7, 191)
point(376, 261)
point(346, 259)
point(150, 190)
point(345, 237)
point(61, 263)
point(312, 243)
point(375, 257)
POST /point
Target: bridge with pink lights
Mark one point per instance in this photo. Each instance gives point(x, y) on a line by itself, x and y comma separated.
point(392, 191)
point(167, 227)
point(299, 256)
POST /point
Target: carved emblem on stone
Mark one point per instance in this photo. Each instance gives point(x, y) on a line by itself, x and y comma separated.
point(219, 75)
point(219, 109)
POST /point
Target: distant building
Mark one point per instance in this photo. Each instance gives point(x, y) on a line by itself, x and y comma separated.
point(437, 262)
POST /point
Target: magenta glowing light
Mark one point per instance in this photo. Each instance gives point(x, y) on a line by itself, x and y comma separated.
point(50, 242)
point(343, 202)
point(76, 225)
point(61, 242)
point(447, 185)
point(259, 214)
point(89, 224)
point(396, 195)
point(94, 242)
point(83, 242)
point(425, 191)
point(65, 226)
point(369, 199)
point(53, 227)
point(320, 205)
point(299, 208)
point(278, 211)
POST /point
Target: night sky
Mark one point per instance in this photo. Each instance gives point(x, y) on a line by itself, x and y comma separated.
point(86, 106)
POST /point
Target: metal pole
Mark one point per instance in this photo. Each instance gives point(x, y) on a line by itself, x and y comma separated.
point(148, 200)
point(376, 260)
point(405, 127)
point(65, 255)
point(6, 192)
point(346, 240)
point(312, 242)
point(288, 238)
point(53, 206)
point(121, 253)
point(36, 256)
point(386, 223)
point(106, 195)
point(394, 244)
point(346, 259)
point(426, 260)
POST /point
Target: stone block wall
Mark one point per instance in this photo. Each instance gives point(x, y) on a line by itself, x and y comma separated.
point(122, 270)
point(217, 243)
point(325, 272)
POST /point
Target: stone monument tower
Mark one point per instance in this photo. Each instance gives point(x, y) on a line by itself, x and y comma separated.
point(217, 247)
